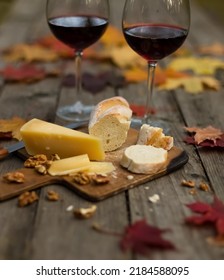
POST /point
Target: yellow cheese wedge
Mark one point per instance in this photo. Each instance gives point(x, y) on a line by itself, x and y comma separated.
point(69, 165)
point(100, 167)
point(42, 137)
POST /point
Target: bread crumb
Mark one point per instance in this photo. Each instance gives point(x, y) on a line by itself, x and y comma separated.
point(130, 177)
point(154, 198)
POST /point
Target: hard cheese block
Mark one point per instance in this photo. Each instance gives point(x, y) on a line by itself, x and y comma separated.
point(42, 137)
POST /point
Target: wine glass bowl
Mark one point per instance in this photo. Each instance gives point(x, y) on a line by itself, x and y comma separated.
point(154, 30)
point(78, 24)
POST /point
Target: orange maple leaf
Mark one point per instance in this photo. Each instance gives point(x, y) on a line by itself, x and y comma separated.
point(207, 133)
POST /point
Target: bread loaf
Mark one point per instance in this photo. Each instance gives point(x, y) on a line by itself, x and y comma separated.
point(110, 121)
point(144, 159)
point(154, 136)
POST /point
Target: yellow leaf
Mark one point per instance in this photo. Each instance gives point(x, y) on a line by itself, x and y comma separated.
point(135, 75)
point(125, 57)
point(30, 53)
point(12, 125)
point(113, 36)
point(193, 85)
point(201, 66)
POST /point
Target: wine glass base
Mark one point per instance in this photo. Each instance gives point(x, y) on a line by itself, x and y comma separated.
point(77, 112)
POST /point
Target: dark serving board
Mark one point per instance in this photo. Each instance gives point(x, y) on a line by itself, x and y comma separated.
point(118, 179)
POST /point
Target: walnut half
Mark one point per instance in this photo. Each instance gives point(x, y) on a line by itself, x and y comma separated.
point(14, 177)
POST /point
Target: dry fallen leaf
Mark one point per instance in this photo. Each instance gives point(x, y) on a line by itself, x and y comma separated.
point(207, 133)
point(12, 125)
point(209, 214)
point(29, 53)
point(193, 85)
point(201, 66)
point(113, 37)
point(141, 237)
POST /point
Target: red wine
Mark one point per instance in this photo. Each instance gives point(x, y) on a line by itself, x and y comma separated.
point(78, 32)
point(154, 42)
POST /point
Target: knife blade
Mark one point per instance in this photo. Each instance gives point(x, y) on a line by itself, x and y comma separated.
point(5, 151)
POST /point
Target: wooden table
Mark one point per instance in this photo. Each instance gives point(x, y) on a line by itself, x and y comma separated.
point(46, 230)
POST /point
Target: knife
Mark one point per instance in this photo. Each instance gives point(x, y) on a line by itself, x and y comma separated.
point(5, 151)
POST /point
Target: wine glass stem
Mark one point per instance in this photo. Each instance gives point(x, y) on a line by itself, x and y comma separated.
point(150, 90)
point(78, 70)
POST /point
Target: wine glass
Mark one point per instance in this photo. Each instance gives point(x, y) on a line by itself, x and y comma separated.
point(155, 29)
point(78, 24)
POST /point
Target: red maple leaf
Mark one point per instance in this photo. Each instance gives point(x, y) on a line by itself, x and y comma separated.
point(140, 237)
point(57, 46)
point(139, 110)
point(213, 214)
point(219, 143)
point(24, 73)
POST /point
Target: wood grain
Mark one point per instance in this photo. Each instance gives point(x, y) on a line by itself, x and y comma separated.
point(118, 179)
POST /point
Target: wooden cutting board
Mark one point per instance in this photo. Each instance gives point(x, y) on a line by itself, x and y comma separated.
point(119, 179)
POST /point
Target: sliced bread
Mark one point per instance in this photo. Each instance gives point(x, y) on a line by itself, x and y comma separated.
point(144, 159)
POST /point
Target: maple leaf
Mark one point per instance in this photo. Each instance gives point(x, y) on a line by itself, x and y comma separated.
point(57, 46)
point(24, 73)
point(192, 85)
point(216, 48)
point(212, 214)
point(207, 133)
point(139, 110)
point(201, 66)
point(112, 36)
point(12, 125)
point(29, 53)
point(140, 237)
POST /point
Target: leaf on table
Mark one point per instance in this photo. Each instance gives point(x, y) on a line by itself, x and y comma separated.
point(140, 237)
point(24, 73)
point(139, 110)
point(192, 85)
point(95, 83)
point(29, 53)
point(213, 49)
point(56, 46)
point(113, 36)
point(208, 133)
point(209, 214)
point(200, 66)
point(12, 126)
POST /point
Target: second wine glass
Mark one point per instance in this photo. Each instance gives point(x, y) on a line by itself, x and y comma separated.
point(78, 24)
point(155, 29)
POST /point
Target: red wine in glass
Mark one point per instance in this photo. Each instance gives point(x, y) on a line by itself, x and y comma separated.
point(78, 24)
point(154, 30)
point(78, 32)
point(155, 41)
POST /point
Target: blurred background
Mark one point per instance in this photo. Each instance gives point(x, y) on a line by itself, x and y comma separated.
point(214, 8)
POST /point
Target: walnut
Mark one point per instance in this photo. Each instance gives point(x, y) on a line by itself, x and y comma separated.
point(85, 213)
point(82, 178)
point(52, 195)
point(33, 161)
point(14, 177)
point(41, 169)
point(189, 183)
point(204, 187)
point(100, 179)
point(27, 198)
